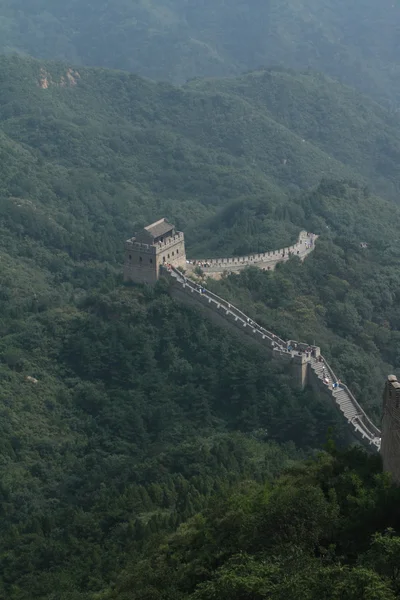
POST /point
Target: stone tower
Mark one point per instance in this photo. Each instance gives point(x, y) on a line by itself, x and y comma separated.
point(155, 245)
point(390, 444)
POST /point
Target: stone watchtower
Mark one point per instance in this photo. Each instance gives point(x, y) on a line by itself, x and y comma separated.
point(155, 245)
point(390, 443)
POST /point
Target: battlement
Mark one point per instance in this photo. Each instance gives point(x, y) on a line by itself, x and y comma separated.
point(248, 259)
point(155, 245)
point(139, 246)
point(301, 347)
point(265, 260)
point(159, 247)
point(155, 248)
point(170, 241)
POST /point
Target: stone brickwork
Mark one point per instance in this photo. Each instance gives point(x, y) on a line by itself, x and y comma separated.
point(266, 261)
point(391, 428)
point(155, 245)
point(160, 244)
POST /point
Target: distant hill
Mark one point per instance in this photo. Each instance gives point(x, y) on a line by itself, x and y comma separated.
point(175, 40)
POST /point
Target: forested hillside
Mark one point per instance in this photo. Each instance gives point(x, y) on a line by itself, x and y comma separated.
point(174, 40)
point(335, 118)
point(344, 296)
point(123, 413)
point(322, 531)
point(142, 148)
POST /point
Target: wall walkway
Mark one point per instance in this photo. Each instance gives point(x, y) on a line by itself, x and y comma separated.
point(266, 260)
point(305, 362)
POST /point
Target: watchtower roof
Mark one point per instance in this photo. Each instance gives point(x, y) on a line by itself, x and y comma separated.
point(159, 228)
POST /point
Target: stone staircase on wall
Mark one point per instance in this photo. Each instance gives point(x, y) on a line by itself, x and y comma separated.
point(363, 427)
point(306, 365)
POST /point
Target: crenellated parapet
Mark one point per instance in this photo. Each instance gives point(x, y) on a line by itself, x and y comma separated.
point(266, 260)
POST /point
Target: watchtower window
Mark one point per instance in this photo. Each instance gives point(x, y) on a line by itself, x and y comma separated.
point(163, 258)
point(177, 251)
point(168, 255)
point(151, 261)
point(173, 253)
point(130, 257)
point(140, 259)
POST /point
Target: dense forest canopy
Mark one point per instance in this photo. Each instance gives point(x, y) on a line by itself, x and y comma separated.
point(124, 414)
point(356, 42)
point(322, 531)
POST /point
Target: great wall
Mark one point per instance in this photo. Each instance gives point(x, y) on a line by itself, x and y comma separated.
point(159, 250)
point(266, 261)
point(305, 362)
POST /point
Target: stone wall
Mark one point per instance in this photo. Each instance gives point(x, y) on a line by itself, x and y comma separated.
point(265, 260)
point(140, 263)
point(356, 430)
point(391, 428)
point(143, 261)
point(302, 365)
point(172, 251)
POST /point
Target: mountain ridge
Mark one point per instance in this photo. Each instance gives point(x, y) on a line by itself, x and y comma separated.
point(176, 40)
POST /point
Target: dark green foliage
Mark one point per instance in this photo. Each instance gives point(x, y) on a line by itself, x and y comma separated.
point(309, 535)
point(89, 159)
point(129, 431)
point(316, 108)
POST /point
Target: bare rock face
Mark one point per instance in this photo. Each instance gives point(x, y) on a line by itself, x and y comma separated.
point(70, 79)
